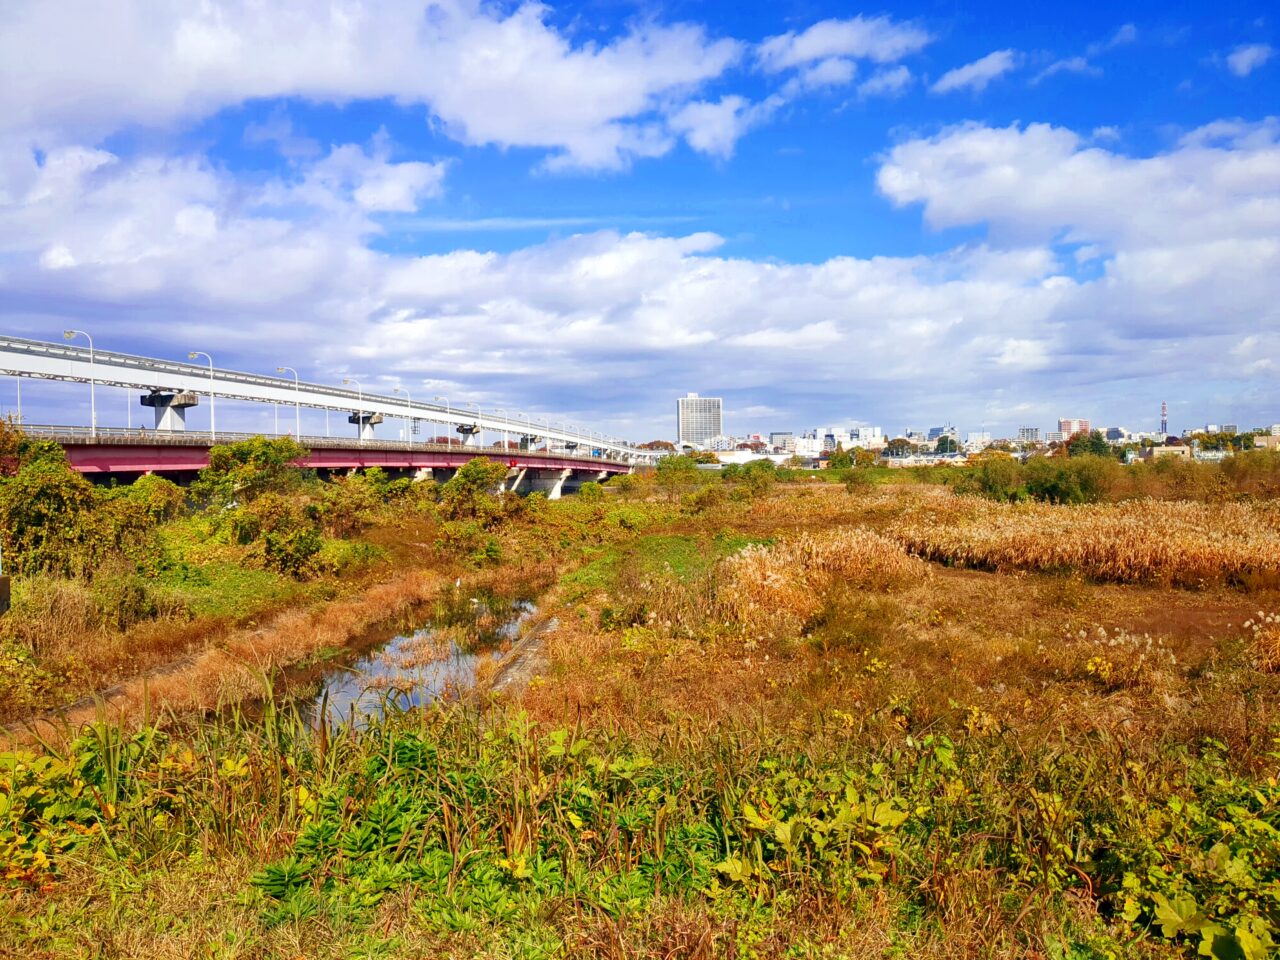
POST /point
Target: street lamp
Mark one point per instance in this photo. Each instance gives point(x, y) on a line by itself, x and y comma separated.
point(93, 400)
point(448, 427)
point(359, 408)
point(504, 427)
point(297, 403)
point(213, 423)
point(408, 421)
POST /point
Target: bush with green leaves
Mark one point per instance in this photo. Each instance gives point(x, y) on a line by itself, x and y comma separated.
point(283, 533)
point(471, 493)
point(242, 471)
point(49, 520)
point(591, 492)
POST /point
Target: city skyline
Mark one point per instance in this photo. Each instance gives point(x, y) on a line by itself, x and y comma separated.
point(797, 208)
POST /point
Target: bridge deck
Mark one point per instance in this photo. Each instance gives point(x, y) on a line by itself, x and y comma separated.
point(118, 450)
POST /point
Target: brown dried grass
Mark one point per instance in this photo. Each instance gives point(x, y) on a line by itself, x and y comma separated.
point(1181, 544)
point(237, 667)
point(776, 589)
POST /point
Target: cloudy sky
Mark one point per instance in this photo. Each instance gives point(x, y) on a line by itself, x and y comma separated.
point(985, 213)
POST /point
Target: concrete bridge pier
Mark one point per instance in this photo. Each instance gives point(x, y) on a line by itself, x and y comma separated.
point(550, 482)
point(423, 473)
point(365, 422)
point(573, 483)
point(170, 407)
point(515, 478)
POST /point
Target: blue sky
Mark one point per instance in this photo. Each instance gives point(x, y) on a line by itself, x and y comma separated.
point(989, 214)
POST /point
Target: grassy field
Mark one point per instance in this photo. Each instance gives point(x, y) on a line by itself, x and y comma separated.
point(772, 720)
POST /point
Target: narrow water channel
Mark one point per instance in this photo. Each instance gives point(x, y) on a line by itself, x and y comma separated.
point(438, 659)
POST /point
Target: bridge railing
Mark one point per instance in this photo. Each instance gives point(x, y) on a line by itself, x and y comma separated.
point(126, 436)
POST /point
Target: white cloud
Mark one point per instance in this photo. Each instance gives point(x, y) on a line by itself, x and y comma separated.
point(889, 82)
point(78, 69)
point(1069, 65)
point(1245, 59)
point(370, 180)
point(1182, 250)
point(1041, 182)
point(832, 72)
point(715, 128)
point(880, 39)
point(1125, 34)
point(977, 75)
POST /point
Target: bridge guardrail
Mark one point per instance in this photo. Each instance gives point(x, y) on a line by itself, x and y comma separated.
point(123, 436)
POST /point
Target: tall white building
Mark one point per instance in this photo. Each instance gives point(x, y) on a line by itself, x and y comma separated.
point(871, 437)
point(698, 419)
point(1028, 434)
point(1070, 426)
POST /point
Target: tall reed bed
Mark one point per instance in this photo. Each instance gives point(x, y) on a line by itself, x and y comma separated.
point(777, 588)
point(1179, 543)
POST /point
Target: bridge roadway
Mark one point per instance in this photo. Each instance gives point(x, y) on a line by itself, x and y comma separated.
point(121, 452)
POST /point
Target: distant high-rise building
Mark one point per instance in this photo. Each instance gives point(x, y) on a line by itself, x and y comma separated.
point(1028, 434)
point(1070, 426)
point(1231, 428)
point(1116, 434)
point(779, 438)
point(698, 419)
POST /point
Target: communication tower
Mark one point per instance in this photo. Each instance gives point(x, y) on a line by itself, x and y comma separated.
point(1164, 418)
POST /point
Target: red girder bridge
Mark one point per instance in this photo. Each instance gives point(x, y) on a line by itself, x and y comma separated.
point(126, 454)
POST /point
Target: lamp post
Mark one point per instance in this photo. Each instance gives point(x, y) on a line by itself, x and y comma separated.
point(359, 408)
point(213, 423)
point(448, 427)
point(408, 421)
point(297, 403)
point(504, 428)
point(93, 400)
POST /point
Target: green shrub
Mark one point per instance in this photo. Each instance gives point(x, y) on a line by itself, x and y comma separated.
point(48, 520)
point(284, 534)
point(470, 493)
point(242, 471)
point(122, 598)
point(591, 492)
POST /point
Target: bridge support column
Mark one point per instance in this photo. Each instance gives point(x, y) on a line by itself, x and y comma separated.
point(365, 422)
point(170, 408)
point(423, 473)
point(516, 478)
point(550, 482)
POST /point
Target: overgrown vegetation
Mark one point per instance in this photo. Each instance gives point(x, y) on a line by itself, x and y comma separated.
point(771, 718)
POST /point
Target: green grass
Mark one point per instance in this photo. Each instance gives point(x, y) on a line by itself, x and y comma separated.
point(227, 589)
point(678, 555)
point(444, 831)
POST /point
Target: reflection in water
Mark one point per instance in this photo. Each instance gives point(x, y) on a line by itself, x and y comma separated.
point(416, 668)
